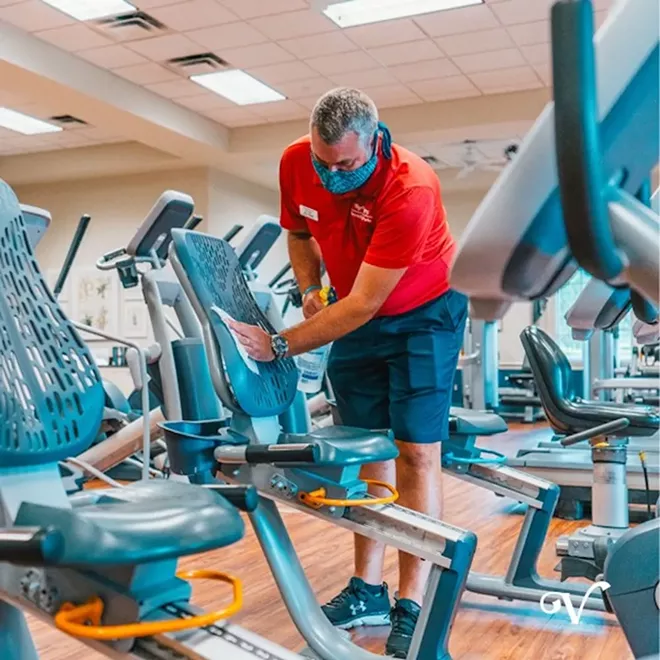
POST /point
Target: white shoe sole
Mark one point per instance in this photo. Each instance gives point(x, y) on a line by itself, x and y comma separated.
point(371, 620)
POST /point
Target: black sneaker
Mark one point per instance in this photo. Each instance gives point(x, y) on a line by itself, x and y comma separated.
point(404, 619)
point(359, 604)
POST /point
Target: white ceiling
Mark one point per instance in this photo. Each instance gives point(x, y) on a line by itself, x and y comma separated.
point(499, 47)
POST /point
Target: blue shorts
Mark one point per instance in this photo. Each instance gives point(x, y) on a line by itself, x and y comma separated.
point(397, 372)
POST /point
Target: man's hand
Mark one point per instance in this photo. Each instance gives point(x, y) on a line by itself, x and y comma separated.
point(312, 304)
point(255, 340)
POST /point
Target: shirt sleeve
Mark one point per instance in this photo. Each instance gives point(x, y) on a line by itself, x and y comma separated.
point(402, 229)
point(290, 218)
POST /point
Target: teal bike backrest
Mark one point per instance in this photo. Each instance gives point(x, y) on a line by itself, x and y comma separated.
point(51, 396)
point(215, 280)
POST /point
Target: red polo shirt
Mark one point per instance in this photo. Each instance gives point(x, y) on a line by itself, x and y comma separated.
point(396, 220)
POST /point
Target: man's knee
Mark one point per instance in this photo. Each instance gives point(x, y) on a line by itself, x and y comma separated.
point(419, 457)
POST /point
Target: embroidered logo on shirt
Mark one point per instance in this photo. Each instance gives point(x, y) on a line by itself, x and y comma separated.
point(361, 213)
point(306, 212)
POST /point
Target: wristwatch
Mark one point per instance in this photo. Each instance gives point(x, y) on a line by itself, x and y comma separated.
point(279, 345)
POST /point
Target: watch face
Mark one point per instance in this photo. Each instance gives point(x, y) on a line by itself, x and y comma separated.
point(280, 346)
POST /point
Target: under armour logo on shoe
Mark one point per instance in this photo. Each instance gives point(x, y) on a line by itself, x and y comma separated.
point(360, 607)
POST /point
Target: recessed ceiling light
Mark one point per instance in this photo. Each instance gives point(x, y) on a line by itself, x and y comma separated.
point(361, 12)
point(17, 121)
point(237, 86)
point(87, 10)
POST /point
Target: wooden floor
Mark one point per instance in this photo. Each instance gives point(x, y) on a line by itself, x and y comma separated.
point(485, 629)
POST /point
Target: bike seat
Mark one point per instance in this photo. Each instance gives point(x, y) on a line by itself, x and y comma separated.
point(143, 522)
point(474, 422)
point(344, 445)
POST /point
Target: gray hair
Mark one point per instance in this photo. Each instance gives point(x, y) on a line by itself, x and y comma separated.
point(345, 110)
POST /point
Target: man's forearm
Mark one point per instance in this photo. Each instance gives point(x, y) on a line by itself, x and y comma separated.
point(305, 258)
point(328, 325)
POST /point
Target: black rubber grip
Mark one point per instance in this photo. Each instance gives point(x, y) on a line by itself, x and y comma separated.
point(282, 454)
point(603, 429)
point(244, 498)
point(193, 222)
point(33, 546)
point(232, 232)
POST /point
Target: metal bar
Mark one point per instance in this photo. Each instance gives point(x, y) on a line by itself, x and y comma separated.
point(76, 242)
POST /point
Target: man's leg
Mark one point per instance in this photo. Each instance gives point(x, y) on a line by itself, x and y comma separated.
point(419, 484)
point(360, 383)
point(426, 345)
point(369, 554)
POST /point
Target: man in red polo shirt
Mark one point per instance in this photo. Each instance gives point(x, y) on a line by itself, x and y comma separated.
point(372, 212)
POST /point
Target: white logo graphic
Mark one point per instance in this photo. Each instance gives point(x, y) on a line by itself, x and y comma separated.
point(361, 213)
point(551, 602)
point(360, 607)
point(306, 212)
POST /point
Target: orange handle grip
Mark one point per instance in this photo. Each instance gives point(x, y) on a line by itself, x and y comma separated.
point(85, 620)
point(316, 499)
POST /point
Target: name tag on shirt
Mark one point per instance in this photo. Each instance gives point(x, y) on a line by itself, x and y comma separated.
point(306, 212)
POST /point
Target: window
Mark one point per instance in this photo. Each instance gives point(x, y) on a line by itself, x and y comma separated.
point(564, 299)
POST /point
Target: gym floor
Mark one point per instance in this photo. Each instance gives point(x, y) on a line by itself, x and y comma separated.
point(485, 629)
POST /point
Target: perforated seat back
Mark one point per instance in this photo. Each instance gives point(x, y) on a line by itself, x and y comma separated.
point(211, 275)
point(552, 375)
point(51, 396)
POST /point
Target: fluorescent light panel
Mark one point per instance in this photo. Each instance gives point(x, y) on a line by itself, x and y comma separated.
point(17, 121)
point(237, 86)
point(361, 12)
point(87, 10)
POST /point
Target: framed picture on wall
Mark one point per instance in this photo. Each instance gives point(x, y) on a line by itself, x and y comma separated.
point(96, 301)
point(134, 320)
point(133, 294)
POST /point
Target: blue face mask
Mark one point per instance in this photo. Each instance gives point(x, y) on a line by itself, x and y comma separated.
point(340, 182)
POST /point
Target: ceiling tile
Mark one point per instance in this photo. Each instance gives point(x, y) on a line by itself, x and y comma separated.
point(34, 15)
point(233, 35)
point(529, 34)
point(318, 44)
point(385, 33)
point(112, 57)
point(475, 42)
point(369, 78)
point(293, 24)
point(280, 110)
point(344, 63)
point(163, 48)
point(544, 72)
point(256, 55)
point(194, 14)
point(458, 21)
point(444, 88)
point(146, 74)
point(99, 135)
point(175, 88)
point(298, 89)
point(442, 68)
point(506, 80)
point(74, 38)
point(538, 54)
point(232, 117)
point(208, 101)
point(415, 51)
point(498, 59)
point(514, 12)
point(308, 102)
point(254, 8)
point(281, 73)
point(392, 96)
